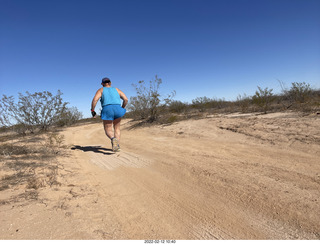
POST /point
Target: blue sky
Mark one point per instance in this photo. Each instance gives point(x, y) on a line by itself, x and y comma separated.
point(213, 48)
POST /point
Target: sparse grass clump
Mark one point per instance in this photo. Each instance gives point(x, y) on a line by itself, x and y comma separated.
point(172, 119)
point(9, 149)
point(54, 143)
point(30, 162)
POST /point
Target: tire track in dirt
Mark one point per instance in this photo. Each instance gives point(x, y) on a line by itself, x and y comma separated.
point(120, 159)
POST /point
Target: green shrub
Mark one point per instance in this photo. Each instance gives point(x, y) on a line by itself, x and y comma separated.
point(263, 98)
point(300, 92)
point(244, 102)
point(201, 103)
point(69, 117)
point(147, 103)
point(177, 107)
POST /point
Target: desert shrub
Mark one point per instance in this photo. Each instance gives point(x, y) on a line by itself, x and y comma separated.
point(69, 116)
point(54, 142)
point(299, 92)
point(172, 119)
point(169, 118)
point(21, 129)
point(147, 100)
point(39, 110)
point(201, 103)
point(5, 103)
point(137, 108)
point(263, 98)
point(300, 96)
point(220, 103)
point(243, 101)
point(315, 95)
point(147, 103)
point(177, 107)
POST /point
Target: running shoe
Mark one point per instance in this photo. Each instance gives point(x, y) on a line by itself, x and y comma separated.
point(115, 145)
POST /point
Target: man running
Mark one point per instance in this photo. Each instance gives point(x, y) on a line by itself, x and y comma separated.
point(112, 111)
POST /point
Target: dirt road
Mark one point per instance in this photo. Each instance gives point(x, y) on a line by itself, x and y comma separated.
point(224, 177)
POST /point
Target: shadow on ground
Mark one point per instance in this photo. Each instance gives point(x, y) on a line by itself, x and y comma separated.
point(95, 149)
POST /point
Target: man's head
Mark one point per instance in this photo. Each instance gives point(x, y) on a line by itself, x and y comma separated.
point(105, 80)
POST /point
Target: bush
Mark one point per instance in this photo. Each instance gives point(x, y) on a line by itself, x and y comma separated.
point(38, 110)
point(201, 103)
point(263, 98)
point(69, 116)
point(177, 107)
point(243, 102)
point(299, 92)
point(147, 103)
point(300, 96)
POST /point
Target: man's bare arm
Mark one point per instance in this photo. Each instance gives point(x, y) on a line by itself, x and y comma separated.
point(123, 97)
point(96, 99)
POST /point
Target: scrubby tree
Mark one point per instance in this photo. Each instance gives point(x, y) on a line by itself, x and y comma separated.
point(5, 107)
point(298, 94)
point(146, 105)
point(299, 91)
point(40, 109)
point(263, 98)
point(243, 101)
point(37, 110)
point(201, 103)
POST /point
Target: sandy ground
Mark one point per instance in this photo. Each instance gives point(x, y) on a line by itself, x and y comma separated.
point(221, 177)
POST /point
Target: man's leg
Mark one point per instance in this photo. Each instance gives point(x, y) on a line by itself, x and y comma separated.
point(107, 124)
point(116, 126)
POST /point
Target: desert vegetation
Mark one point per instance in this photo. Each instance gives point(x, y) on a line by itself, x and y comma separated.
point(149, 106)
point(37, 111)
point(29, 163)
point(30, 142)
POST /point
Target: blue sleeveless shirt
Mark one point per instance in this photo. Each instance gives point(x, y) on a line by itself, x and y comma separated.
point(109, 96)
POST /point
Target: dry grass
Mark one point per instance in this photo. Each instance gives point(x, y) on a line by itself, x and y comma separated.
point(29, 163)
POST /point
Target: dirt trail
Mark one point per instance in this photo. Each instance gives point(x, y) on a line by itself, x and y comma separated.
point(225, 177)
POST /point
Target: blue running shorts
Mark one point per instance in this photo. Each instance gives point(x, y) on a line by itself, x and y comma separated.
point(112, 112)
